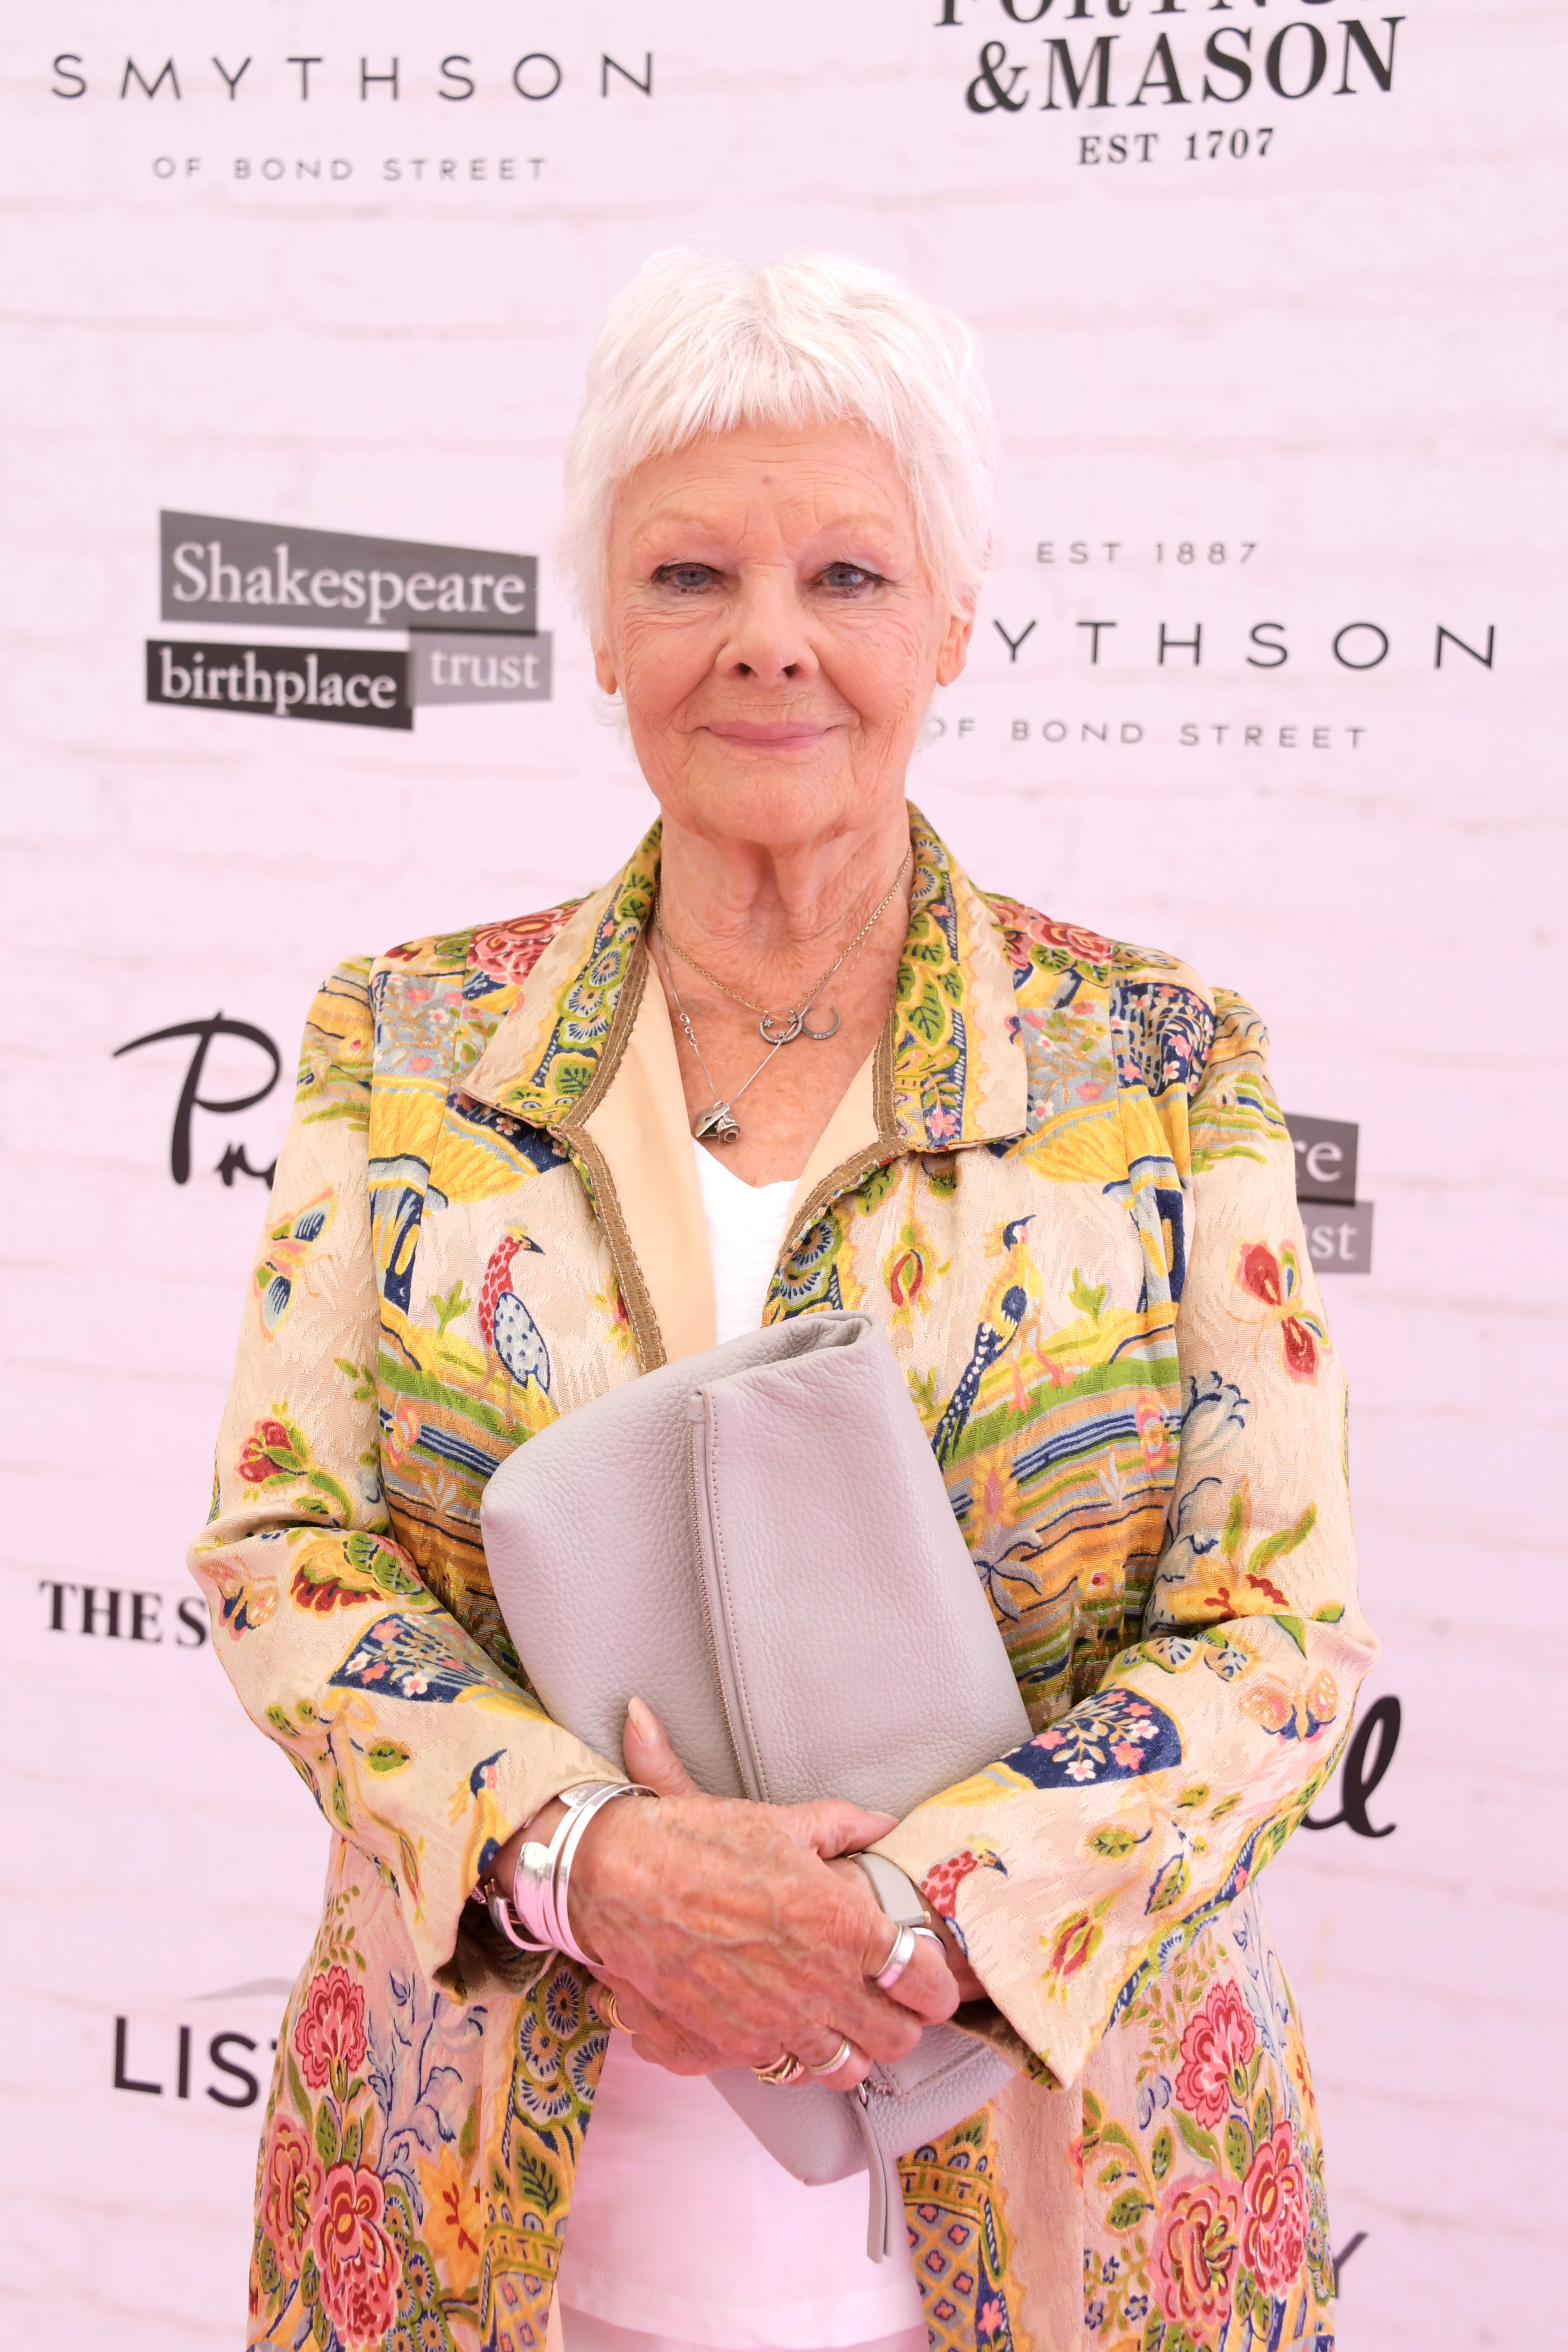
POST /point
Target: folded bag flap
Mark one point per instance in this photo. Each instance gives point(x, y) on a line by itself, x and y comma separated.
point(856, 1646)
point(591, 1543)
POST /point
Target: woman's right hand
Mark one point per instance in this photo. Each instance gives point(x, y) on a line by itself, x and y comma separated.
point(726, 1937)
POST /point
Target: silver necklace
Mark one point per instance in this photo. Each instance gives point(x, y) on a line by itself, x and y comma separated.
point(783, 1028)
point(717, 1120)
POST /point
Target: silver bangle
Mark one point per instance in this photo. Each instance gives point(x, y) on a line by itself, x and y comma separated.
point(582, 1815)
point(542, 1877)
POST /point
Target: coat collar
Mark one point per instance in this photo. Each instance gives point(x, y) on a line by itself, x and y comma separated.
point(586, 1052)
point(953, 1073)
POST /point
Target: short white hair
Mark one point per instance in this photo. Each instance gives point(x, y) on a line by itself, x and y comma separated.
point(697, 346)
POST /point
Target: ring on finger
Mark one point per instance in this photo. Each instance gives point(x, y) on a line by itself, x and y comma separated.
point(785, 2068)
point(839, 2058)
point(898, 1959)
point(609, 2008)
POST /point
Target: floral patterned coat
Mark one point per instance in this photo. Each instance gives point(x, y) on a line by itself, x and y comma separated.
point(1063, 1184)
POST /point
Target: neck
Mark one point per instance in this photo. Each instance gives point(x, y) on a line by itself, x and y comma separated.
point(776, 914)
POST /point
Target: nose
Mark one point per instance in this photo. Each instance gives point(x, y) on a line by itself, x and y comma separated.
point(768, 639)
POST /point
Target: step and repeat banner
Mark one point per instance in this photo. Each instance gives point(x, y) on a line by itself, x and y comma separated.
point(298, 302)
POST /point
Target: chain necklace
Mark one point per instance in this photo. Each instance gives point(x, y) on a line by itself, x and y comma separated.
point(717, 1120)
point(783, 1028)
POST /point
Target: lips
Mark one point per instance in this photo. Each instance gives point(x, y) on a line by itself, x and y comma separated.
point(766, 735)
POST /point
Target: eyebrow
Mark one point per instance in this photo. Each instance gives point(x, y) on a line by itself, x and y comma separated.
point(702, 527)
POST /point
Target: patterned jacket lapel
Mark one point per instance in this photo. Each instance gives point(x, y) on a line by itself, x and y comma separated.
point(585, 1054)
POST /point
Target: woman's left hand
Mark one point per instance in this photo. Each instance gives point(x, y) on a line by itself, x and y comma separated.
point(651, 1761)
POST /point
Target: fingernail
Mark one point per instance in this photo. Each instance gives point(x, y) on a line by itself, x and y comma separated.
point(642, 1722)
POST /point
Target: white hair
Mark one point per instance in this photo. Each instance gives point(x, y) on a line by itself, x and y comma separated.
point(697, 346)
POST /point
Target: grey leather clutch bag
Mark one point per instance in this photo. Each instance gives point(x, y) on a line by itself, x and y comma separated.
point(758, 1542)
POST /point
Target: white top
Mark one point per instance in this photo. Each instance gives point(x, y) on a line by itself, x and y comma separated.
point(745, 1231)
point(682, 2225)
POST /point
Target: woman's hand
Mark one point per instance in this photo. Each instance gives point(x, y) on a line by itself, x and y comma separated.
point(725, 1936)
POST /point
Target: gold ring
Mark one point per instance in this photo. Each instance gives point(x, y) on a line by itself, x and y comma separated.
point(841, 2057)
point(609, 2009)
point(785, 2068)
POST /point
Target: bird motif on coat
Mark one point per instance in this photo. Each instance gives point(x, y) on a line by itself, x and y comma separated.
point(1015, 1288)
point(505, 1323)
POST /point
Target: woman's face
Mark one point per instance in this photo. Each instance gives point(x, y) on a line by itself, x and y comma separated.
point(773, 633)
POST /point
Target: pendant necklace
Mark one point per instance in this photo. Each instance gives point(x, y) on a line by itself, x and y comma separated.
point(717, 1119)
point(776, 1030)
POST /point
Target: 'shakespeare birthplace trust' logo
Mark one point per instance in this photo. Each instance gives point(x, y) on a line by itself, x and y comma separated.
point(469, 615)
point(360, 687)
point(216, 569)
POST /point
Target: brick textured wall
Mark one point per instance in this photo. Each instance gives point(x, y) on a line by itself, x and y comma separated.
point(1333, 353)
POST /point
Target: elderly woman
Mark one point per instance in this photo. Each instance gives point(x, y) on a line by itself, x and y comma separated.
point(788, 1060)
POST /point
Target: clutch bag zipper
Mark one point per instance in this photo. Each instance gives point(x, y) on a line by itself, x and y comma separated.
point(702, 1527)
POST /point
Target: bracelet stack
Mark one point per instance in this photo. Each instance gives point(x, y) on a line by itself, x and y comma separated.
point(542, 1884)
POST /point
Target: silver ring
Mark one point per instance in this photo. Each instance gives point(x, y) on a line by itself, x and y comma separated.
point(840, 2058)
point(898, 1959)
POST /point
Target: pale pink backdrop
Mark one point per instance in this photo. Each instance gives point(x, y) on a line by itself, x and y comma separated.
point(1335, 352)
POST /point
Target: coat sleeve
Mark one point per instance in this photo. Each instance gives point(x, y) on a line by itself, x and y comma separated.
point(416, 1746)
point(1085, 1858)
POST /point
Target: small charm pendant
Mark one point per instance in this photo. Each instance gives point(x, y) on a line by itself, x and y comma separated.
point(717, 1122)
point(820, 1036)
point(791, 1026)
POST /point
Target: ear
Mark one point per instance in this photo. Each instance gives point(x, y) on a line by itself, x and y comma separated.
point(605, 669)
point(955, 649)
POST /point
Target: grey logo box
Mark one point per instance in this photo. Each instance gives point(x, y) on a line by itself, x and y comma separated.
point(212, 567)
point(1339, 1237)
point(1325, 1158)
point(451, 669)
point(351, 685)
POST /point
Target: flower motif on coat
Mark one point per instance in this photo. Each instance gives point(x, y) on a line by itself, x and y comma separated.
point(292, 2181)
point(1274, 2233)
point(1274, 1279)
point(1073, 1944)
point(266, 1453)
point(1114, 1735)
point(454, 2217)
point(911, 1267)
point(1238, 1580)
point(508, 953)
point(1153, 1436)
point(360, 2265)
point(1023, 929)
point(1217, 2051)
point(277, 1453)
point(1195, 2253)
point(329, 2032)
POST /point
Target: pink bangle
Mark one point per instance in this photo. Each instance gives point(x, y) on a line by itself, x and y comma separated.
point(541, 1884)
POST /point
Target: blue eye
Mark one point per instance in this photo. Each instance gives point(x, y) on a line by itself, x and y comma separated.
point(685, 578)
point(851, 576)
